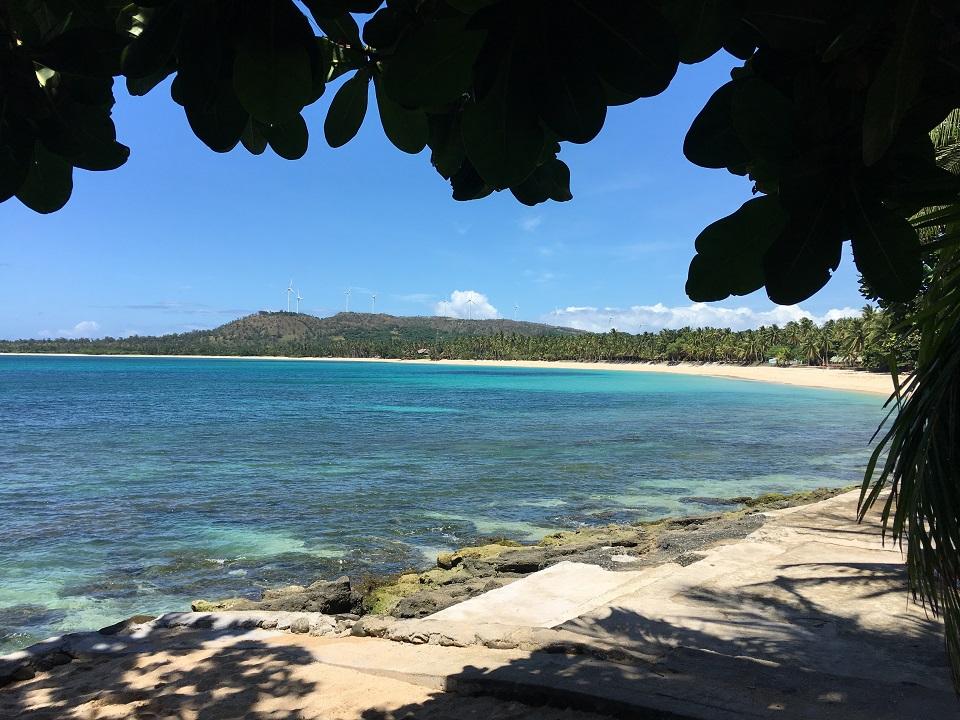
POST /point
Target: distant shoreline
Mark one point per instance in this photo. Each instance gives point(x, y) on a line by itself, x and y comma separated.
point(800, 376)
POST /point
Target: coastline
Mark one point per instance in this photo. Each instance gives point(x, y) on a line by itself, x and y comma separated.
point(769, 613)
point(799, 376)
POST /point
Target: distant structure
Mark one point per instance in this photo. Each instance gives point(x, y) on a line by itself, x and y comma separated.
point(299, 298)
point(470, 309)
point(347, 305)
point(373, 302)
point(516, 311)
point(289, 291)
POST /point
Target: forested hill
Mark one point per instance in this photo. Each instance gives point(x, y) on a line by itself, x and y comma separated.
point(867, 341)
point(348, 334)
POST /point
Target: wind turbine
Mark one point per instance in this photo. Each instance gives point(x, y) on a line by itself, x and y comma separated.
point(299, 298)
point(373, 302)
point(347, 293)
point(516, 309)
point(470, 309)
point(289, 290)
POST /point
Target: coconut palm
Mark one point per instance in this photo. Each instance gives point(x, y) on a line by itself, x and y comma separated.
point(918, 458)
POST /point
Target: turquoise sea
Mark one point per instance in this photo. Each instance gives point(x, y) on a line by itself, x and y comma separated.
point(134, 485)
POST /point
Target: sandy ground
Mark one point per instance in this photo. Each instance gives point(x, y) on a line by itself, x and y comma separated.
point(815, 377)
point(232, 679)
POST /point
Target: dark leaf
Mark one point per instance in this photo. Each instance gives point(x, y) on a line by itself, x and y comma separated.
point(702, 26)
point(15, 160)
point(342, 29)
point(763, 119)
point(446, 144)
point(252, 139)
point(433, 64)
point(712, 140)
point(729, 259)
point(347, 110)
point(383, 29)
point(85, 50)
point(153, 49)
point(805, 254)
point(468, 185)
point(218, 121)
point(886, 250)
point(49, 182)
point(501, 132)
point(897, 81)
point(141, 86)
point(289, 139)
point(272, 73)
point(406, 129)
point(550, 181)
point(571, 102)
point(631, 44)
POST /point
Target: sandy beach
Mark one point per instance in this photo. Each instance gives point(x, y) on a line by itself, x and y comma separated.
point(813, 377)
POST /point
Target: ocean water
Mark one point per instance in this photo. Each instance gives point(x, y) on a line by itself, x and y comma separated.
point(133, 485)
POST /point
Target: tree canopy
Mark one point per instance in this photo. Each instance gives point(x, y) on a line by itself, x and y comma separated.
point(829, 115)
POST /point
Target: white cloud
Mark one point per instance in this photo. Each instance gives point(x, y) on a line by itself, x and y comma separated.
point(467, 304)
point(651, 318)
point(83, 329)
point(531, 223)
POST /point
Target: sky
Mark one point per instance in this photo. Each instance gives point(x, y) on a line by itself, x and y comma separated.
point(182, 238)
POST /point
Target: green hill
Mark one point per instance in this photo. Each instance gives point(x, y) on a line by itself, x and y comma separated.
point(346, 334)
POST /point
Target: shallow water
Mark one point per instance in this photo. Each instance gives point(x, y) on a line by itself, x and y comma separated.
point(135, 485)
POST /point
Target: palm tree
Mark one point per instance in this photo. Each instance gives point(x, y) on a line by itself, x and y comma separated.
point(917, 459)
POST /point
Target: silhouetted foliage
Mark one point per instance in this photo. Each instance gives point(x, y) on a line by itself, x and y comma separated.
point(828, 116)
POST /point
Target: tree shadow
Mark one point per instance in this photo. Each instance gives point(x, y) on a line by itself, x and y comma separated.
point(201, 675)
point(764, 650)
point(767, 649)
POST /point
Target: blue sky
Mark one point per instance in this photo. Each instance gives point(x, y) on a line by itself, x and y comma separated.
point(183, 238)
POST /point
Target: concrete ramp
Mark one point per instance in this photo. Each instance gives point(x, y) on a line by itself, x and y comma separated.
point(550, 597)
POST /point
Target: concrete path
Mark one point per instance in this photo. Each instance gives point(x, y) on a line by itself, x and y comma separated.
point(807, 617)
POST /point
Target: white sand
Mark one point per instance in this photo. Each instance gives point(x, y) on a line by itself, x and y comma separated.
point(815, 377)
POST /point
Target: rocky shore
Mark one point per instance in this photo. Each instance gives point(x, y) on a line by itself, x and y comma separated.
point(467, 572)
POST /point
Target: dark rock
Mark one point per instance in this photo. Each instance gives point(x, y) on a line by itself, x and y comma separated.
point(688, 558)
point(329, 598)
point(119, 627)
point(11, 672)
point(522, 562)
point(52, 660)
point(422, 604)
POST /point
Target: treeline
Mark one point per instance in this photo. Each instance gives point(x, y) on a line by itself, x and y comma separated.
point(869, 341)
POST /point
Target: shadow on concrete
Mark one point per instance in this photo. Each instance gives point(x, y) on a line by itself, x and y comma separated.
point(766, 650)
point(236, 680)
point(763, 650)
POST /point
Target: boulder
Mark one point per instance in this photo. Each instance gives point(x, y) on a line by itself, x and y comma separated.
point(422, 604)
point(449, 560)
point(329, 598)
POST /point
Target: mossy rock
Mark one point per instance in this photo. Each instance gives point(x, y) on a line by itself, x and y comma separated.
point(217, 605)
point(383, 599)
point(448, 561)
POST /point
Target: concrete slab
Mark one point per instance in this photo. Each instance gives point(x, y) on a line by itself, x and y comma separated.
point(546, 598)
